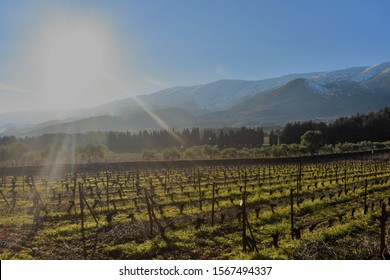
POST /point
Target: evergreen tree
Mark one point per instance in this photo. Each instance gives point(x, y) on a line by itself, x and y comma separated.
point(273, 138)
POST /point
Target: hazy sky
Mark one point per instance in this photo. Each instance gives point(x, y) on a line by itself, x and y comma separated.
point(56, 54)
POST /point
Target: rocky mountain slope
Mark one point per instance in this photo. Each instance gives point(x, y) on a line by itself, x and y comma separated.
point(275, 101)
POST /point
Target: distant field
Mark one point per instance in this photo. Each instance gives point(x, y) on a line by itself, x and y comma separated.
point(324, 207)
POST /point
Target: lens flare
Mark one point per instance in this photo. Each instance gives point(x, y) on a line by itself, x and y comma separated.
point(74, 61)
point(73, 55)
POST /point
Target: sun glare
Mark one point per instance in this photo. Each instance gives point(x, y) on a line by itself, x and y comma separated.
point(74, 59)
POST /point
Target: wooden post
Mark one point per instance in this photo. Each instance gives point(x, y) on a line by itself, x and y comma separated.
point(244, 216)
point(269, 174)
point(81, 197)
point(149, 212)
point(292, 212)
point(75, 180)
point(345, 176)
point(365, 197)
point(152, 215)
point(225, 176)
point(90, 210)
point(133, 178)
point(345, 180)
point(151, 191)
point(38, 196)
point(107, 194)
point(300, 175)
point(251, 233)
point(200, 192)
point(212, 205)
point(383, 230)
point(298, 190)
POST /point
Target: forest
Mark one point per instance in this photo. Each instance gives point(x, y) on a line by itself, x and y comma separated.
point(345, 134)
point(373, 127)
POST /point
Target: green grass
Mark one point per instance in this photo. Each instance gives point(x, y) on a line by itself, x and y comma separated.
point(58, 234)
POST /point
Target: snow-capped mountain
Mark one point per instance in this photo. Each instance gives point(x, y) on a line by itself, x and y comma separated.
point(371, 72)
point(316, 95)
point(300, 99)
point(199, 99)
point(222, 94)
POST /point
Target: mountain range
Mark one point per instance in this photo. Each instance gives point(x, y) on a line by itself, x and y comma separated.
point(269, 102)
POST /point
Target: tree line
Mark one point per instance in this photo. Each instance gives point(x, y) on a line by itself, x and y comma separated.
point(374, 127)
point(121, 142)
point(345, 134)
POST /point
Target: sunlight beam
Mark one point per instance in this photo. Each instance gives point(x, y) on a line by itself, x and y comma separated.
point(144, 106)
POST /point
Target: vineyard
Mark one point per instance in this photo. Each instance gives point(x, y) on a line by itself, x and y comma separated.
point(324, 207)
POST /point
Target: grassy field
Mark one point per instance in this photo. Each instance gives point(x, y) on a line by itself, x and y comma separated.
point(324, 209)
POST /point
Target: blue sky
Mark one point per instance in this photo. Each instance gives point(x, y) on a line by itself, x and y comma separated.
point(150, 45)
